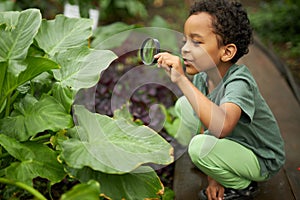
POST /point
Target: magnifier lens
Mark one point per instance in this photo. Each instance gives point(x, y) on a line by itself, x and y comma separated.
point(150, 47)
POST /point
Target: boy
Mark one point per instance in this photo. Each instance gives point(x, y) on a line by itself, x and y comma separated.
point(241, 143)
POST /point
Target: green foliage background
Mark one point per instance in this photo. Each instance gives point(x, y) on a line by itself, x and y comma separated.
point(277, 24)
point(43, 135)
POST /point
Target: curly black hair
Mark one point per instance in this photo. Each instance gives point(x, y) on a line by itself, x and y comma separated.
point(230, 22)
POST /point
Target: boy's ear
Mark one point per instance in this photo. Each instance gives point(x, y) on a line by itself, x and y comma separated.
point(229, 52)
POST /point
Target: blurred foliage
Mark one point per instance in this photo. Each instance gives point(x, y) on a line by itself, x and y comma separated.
point(291, 2)
point(138, 12)
point(48, 8)
point(6, 5)
point(278, 23)
point(119, 10)
point(110, 10)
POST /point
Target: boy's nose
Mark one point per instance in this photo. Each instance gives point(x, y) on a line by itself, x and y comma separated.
point(185, 48)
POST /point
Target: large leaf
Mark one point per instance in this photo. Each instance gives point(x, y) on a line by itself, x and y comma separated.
point(142, 183)
point(17, 30)
point(113, 146)
point(83, 191)
point(33, 116)
point(19, 72)
point(81, 67)
point(63, 33)
point(35, 160)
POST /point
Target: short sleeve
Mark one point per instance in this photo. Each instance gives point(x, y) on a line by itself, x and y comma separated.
point(241, 93)
point(199, 81)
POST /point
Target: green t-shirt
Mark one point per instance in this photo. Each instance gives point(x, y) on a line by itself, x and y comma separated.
point(257, 128)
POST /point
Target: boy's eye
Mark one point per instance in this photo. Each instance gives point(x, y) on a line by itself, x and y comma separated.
point(196, 42)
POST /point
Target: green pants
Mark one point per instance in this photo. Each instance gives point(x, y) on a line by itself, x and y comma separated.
point(229, 163)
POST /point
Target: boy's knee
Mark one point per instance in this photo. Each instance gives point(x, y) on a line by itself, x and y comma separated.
point(201, 147)
point(195, 146)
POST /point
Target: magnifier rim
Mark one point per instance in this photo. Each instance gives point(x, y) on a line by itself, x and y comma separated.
point(157, 49)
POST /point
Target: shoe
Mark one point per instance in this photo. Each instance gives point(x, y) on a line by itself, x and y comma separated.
point(232, 194)
point(202, 195)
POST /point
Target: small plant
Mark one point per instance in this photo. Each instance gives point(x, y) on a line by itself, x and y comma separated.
point(181, 122)
point(44, 64)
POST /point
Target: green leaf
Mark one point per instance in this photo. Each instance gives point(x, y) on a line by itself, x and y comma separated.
point(34, 160)
point(113, 146)
point(81, 67)
point(17, 30)
point(39, 85)
point(19, 72)
point(83, 191)
point(124, 113)
point(169, 194)
point(63, 33)
point(158, 21)
point(65, 95)
point(136, 8)
point(142, 183)
point(185, 123)
point(33, 116)
point(6, 6)
point(112, 35)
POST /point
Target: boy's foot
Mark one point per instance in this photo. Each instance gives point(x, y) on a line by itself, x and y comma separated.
point(233, 194)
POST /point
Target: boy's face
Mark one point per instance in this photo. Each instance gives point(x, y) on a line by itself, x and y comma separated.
point(200, 51)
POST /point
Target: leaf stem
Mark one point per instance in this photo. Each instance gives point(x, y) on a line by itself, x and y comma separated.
point(15, 95)
point(40, 137)
point(49, 189)
point(7, 106)
point(30, 189)
point(3, 68)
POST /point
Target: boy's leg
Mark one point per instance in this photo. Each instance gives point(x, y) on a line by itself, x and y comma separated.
point(229, 163)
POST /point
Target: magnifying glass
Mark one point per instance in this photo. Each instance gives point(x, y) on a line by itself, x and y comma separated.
point(150, 47)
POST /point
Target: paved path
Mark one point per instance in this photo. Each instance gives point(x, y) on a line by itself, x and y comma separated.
point(279, 96)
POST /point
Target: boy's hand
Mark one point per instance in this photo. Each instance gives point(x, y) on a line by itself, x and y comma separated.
point(172, 65)
point(214, 191)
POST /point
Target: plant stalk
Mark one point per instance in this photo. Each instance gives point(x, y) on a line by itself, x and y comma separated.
point(47, 136)
point(3, 68)
point(7, 106)
point(28, 188)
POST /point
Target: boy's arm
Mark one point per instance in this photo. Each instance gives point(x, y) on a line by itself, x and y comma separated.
point(220, 120)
